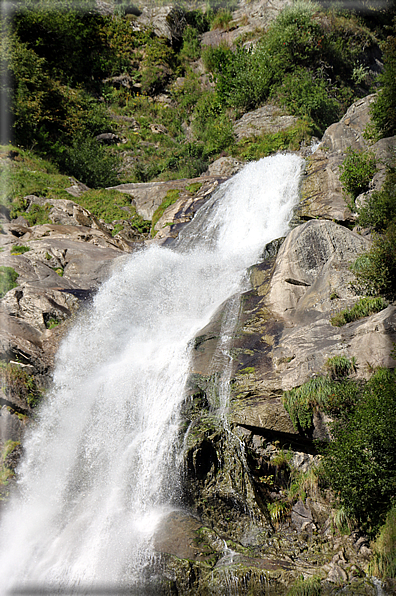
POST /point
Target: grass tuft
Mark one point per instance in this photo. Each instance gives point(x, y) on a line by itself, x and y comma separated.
point(363, 308)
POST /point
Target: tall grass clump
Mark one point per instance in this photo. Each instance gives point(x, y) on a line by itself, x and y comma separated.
point(310, 586)
point(364, 307)
point(331, 393)
point(383, 564)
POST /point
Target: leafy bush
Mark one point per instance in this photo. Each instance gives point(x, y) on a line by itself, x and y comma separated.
point(15, 381)
point(90, 162)
point(357, 170)
point(379, 208)
point(8, 277)
point(383, 112)
point(38, 214)
point(323, 392)
point(253, 148)
point(375, 271)
point(307, 95)
point(363, 308)
point(221, 19)
point(340, 367)
point(360, 463)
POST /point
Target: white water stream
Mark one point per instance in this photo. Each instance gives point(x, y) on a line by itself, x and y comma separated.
point(99, 470)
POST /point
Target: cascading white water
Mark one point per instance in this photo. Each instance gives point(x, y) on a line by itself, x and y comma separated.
point(99, 470)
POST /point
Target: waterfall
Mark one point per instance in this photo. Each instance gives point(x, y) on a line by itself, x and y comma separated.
point(99, 471)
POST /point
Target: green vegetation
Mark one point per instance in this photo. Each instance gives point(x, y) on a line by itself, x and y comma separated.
point(309, 68)
point(360, 463)
point(357, 170)
point(15, 381)
point(78, 74)
point(340, 367)
point(383, 111)
point(379, 209)
point(363, 308)
point(52, 323)
point(19, 249)
point(375, 270)
point(170, 198)
point(253, 148)
point(305, 587)
point(194, 187)
point(332, 393)
point(383, 564)
point(8, 277)
point(7, 473)
point(221, 19)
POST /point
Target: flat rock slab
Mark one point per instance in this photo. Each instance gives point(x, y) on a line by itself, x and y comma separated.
point(148, 196)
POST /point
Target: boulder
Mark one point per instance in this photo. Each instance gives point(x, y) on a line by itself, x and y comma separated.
point(166, 21)
point(224, 166)
point(268, 119)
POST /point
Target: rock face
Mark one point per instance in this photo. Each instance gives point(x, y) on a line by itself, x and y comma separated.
point(322, 191)
point(249, 17)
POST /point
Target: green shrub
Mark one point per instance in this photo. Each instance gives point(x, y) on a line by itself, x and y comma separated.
point(191, 48)
point(111, 205)
point(38, 214)
point(360, 463)
point(90, 162)
point(379, 208)
point(357, 170)
point(363, 308)
point(340, 367)
point(8, 277)
point(18, 249)
point(221, 19)
point(383, 112)
point(383, 564)
point(375, 270)
point(15, 381)
point(306, 94)
point(330, 395)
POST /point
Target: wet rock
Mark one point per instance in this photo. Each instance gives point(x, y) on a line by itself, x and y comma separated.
point(108, 138)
